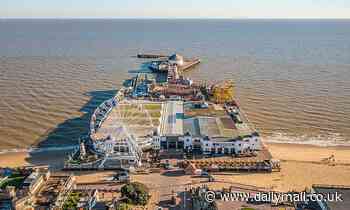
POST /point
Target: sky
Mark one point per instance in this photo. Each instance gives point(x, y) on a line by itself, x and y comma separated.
point(175, 9)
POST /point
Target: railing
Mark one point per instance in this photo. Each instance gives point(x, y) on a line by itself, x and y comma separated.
point(70, 165)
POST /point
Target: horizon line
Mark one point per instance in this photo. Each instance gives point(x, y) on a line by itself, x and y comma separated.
point(188, 18)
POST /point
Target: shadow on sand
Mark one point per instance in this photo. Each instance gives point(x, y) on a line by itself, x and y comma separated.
point(68, 132)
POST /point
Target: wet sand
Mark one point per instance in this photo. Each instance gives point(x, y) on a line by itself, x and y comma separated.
point(15, 159)
point(54, 159)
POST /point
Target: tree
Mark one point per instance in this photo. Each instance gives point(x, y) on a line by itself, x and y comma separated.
point(123, 206)
point(72, 201)
point(136, 193)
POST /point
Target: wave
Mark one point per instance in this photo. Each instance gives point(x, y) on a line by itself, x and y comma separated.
point(38, 150)
point(323, 140)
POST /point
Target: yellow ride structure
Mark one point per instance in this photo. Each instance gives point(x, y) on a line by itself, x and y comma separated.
point(223, 91)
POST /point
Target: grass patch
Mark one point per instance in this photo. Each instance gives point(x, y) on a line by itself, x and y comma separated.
point(155, 114)
point(125, 206)
point(152, 106)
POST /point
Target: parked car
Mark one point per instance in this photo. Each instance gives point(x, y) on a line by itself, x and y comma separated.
point(122, 176)
point(204, 174)
point(168, 166)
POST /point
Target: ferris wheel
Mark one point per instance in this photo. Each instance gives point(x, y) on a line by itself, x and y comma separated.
point(128, 118)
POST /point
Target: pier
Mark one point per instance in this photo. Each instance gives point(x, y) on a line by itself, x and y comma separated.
point(189, 64)
point(151, 56)
point(164, 61)
point(172, 114)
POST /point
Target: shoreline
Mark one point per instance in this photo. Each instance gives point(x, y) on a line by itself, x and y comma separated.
point(37, 149)
point(281, 151)
point(301, 166)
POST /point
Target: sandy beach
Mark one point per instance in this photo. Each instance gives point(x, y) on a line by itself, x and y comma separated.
point(307, 153)
point(17, 159)
point(302, 166)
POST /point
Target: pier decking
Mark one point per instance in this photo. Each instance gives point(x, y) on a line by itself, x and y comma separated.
point(149, 55)
point(189, 64)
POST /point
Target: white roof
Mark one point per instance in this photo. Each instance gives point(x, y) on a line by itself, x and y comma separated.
point(172, 119)
point(176, 57)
